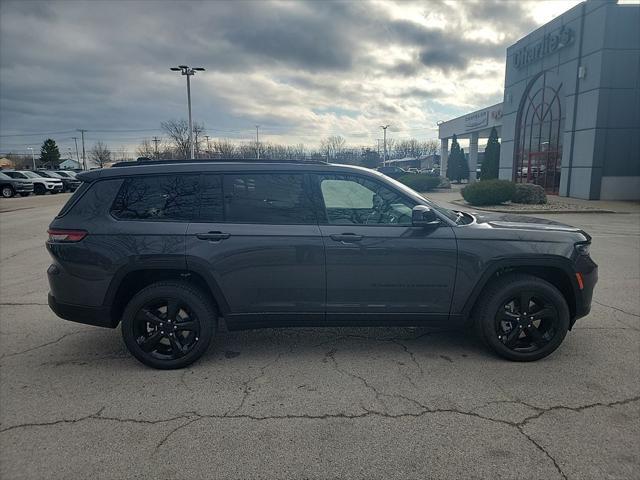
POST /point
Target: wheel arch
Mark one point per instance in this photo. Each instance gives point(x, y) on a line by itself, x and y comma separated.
point(129, 281)
point(557, 271)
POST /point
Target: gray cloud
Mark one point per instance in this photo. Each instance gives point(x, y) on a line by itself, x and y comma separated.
point(289, 66)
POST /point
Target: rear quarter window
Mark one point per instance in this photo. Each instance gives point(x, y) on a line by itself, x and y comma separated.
point(157, 197)
point(84, 186)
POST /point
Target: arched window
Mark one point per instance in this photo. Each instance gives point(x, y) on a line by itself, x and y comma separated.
point(539, 134)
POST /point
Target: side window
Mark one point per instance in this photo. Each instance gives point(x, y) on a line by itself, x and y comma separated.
point(157, 197)
point(211, 200)
point(350, 199)
point(267, 198)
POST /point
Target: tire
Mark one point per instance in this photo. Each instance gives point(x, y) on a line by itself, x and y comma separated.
point(146, 322)
point(503, 327)
point(8, 191)
point(39, 189)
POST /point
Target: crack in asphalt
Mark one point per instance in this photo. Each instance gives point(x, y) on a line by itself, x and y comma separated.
point(246, 384)
point(23, 303)
point(193, 417)
point(46, 344)
point(616, 308)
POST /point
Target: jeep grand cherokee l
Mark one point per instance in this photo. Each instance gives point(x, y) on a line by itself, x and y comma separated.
point(169, 248)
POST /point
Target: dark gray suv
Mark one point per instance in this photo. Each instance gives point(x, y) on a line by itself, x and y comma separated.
point(169, 248)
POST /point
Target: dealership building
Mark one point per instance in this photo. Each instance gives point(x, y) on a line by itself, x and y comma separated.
point(570, 117)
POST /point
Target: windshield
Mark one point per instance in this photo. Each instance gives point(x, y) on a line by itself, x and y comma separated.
point(29, 174)
point(49, 174)
point(63, 174)
point(16, 175)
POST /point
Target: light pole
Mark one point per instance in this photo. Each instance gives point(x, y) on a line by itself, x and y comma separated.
point(188, 71)
point(257, 143)
point(33, 157)
point(384, 128)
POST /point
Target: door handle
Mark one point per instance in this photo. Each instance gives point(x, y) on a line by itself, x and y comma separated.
point(346, 237)
point(214, 236)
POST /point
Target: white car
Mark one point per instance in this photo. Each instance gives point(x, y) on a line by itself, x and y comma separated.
point(41, 185)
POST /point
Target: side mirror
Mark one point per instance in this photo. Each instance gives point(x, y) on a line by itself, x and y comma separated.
point(423, 216)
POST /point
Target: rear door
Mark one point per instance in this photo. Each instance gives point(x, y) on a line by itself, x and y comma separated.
point(378, 264)
point(258, 237)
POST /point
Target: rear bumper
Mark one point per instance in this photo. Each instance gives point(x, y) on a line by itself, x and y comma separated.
point(23, 188)
point(97, 316)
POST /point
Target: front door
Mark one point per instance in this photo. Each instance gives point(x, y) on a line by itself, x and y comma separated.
point(380, 267)
point(259, 239)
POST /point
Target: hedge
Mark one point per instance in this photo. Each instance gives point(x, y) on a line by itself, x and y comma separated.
point(529, 193)
point(489, 192)
point(420, 182)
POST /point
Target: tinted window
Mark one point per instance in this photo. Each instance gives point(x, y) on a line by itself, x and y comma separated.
point(16, 175)
point(161, 197)
point(211, 201)
point(266, 198)
point(357, 200)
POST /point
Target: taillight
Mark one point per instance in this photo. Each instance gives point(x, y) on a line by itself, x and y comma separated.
point(66, 235)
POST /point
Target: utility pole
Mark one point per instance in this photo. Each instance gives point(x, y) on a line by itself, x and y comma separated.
point(378, 147)
point(384, 128)
point(33, 157)
point(187, 71)
point(208, 148)
point(257, 143)
point(84, 158)
point(75, 139)
point(155, 141)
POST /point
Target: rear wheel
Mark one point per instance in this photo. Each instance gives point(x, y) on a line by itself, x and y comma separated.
point(7, 191)
point(168, 325)
point(523, 318)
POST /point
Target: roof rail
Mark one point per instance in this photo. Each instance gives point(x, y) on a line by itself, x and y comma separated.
point(215, 160)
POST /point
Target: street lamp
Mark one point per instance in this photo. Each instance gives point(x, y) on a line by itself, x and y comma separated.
point(384, 128)
point(33, 157)
point(188, 71)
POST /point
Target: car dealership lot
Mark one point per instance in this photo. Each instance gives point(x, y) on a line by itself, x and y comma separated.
point(317, 403)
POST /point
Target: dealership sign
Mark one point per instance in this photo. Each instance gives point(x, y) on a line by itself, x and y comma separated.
point(549, 44)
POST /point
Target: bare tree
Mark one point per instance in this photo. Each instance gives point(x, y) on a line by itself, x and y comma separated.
point(178, 132)
point(430, 147)
point(146, 149)
point(223, 148)
point(333, 146)
point(100, 154)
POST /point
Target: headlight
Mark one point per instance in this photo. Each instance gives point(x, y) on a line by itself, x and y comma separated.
point(583, 248)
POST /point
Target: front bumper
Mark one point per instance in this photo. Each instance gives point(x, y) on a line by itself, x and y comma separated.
point(53, 187)
point(24, 188)
point(588, 271)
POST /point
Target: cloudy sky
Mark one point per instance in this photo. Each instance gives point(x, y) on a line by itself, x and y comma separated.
point(300, 70)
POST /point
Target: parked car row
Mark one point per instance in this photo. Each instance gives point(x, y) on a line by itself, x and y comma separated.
point(26, 182)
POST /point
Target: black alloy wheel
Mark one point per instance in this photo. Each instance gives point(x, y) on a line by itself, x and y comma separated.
point(168, 325)
point(39, 189)
point(522, 317)
point(526, 322)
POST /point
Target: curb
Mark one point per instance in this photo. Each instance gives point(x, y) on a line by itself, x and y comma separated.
point(528, 212)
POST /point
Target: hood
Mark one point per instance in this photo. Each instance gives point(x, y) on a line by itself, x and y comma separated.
point(509, 221)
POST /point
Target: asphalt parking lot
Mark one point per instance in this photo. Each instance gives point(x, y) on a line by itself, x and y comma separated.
point(317, 403)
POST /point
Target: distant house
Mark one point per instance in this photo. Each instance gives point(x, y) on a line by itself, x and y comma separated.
point(6, 163)
point(69, 164)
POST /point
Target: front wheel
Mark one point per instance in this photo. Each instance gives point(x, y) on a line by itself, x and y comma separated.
point(168, 325)
point(523, 318)
point(7, 191)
